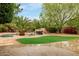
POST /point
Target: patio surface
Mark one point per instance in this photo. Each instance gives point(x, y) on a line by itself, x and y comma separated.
point(9, 47)
point(36, 50)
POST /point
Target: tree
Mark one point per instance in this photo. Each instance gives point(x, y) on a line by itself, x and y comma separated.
point(57, 15)
point(36, 23)
point(7, 12)
point(74, 23)
point(22, 24)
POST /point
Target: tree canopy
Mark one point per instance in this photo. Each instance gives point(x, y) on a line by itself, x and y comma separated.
point(7, 11)
point(57, 15)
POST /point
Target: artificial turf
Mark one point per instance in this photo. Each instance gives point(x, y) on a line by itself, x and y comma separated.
point(46, 39)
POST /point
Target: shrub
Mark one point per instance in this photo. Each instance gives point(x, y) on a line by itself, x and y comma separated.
point(10, 27)
point(52, 29)
point(70, 30)
point(3, 28)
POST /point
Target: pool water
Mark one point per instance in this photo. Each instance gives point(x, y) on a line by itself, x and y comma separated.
point(7, 35)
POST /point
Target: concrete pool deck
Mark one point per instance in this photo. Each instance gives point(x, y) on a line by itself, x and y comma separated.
point(9, 46)
point(34, 51)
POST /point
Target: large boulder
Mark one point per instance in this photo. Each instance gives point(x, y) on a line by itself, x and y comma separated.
point(41, 31)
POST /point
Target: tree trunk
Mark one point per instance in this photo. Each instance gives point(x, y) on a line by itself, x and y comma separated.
point(59, 30)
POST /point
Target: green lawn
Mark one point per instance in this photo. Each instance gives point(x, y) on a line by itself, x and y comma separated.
point(46, 39)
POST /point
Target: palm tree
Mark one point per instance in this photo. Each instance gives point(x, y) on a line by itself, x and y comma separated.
point(22, 25)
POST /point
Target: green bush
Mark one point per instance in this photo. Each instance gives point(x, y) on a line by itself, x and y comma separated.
point(52, 29)
point(3, 28)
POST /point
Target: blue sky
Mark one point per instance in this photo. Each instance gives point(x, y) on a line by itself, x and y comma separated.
point(31, 10)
